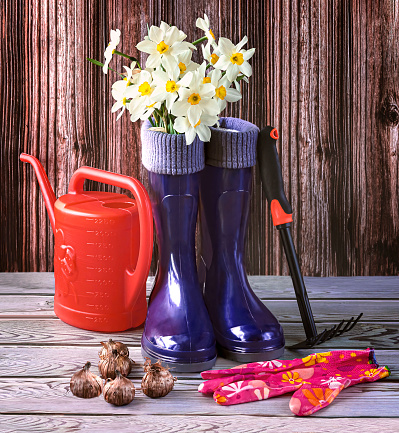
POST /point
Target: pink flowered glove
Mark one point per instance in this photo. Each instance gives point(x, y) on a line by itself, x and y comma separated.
point(240, 372)
point(315, 385)
point(321, 391)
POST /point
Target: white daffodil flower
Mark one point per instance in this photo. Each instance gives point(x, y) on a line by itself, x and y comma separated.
point(185, 63)
point(164, 44)
point(132, 73)
point(223, 93)
point(237, 83)
point(233, 59)
point(203, 24)
point(197, 99)
point(201, 128)
point(211, 58)
point(119, 90)
point(141, 105)
point(167, 85)
point(109, 51)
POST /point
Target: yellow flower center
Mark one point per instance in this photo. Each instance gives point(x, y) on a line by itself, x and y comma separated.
point(221, 92)
point(182, 67)
point(124, 101)
point(162, 47)
point(145, 89)
point(198, 123)
point(194, 99)
point(237, 58)
point(171, 86)
point(206, 80)
point(127, 82)
point(214, 58)
point(149, 106)
point(291, 377)
point(211, 32)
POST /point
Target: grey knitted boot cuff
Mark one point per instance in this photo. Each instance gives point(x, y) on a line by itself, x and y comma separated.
point(232, 149)
point(169, 154)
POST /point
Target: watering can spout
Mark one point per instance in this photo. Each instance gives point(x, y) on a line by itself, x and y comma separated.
point(47, 190)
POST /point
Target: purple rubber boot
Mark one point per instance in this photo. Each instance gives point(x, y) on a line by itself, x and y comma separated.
point(245, 330)
point(178, 330)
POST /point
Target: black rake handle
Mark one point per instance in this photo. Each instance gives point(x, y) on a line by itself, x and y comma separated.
point(272, 183)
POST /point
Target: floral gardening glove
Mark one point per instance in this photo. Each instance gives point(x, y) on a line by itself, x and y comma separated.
point(320, 392)
point(316, 386)
point(256, 369)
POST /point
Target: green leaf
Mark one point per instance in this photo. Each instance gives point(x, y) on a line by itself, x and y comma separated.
point(96, 62)
point(131, 58)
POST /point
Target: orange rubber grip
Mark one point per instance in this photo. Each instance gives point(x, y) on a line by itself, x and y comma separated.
point(278, 214)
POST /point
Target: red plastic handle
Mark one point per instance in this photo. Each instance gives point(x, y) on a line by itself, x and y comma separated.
point(137, 277)
point(45, 186)
point(278, 215)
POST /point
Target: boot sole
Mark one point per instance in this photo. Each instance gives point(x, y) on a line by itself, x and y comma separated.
point(181, 367)
point(245, 358)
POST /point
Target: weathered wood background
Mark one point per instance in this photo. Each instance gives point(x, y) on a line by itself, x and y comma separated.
point(326, 73)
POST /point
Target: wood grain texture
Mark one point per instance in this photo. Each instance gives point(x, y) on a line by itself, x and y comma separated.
point(55, 332)
point(326, 73)
point(285, 310)
point(52, 395)
point(178, 424)
point(265, 287)
point(63, 361)
point(38, 357)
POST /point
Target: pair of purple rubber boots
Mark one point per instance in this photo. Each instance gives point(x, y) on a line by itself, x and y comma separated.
point(195, 315)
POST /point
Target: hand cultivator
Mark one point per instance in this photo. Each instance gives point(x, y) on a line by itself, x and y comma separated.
point(272, 182)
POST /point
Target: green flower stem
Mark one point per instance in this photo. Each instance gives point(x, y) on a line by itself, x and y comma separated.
point(158, 112)
point(96, 62)
point(198, 41)
point(133, 59)
point(165, 116)
point(152, 123)
point(156, 118)
point(172, 130)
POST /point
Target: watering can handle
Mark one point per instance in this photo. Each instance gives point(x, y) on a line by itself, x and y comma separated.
point(137, 277)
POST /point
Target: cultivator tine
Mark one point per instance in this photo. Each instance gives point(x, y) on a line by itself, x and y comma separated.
point(302, 345)
point(351, 323)
point(347, 325)
point(308, 343)
point(328, 334)
point(316, 340)
point(336, 330)
point(355, 322)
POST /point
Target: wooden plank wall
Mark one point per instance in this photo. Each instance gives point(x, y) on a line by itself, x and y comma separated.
point(326, 73)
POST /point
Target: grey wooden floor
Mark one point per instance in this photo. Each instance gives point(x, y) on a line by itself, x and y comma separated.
point(39, 354)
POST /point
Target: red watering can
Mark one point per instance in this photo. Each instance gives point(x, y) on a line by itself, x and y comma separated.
point(102, 251)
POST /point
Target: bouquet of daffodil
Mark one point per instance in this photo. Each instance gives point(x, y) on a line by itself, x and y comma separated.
point(176, 94)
